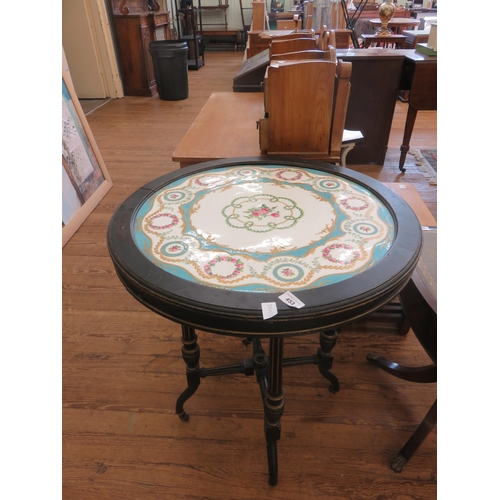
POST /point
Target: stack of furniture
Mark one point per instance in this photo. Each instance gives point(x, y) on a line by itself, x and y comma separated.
point(259, 41)
point(251, 74)
point(302, 113)
point(135, 27)
point(377, 77)
point(291, 20)
point(260, 37)
point(282, 46)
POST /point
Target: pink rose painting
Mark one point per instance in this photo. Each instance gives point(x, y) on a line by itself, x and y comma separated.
point(262, 212)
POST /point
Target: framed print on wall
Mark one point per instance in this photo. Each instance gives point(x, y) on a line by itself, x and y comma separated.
point(85, 179)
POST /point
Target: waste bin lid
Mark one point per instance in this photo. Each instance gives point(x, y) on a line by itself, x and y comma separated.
point(168, 45)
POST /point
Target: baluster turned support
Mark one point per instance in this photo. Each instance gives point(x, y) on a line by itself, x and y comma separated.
point(191, 356)
point(327, 341)
point(274, 404)
point(416, 439)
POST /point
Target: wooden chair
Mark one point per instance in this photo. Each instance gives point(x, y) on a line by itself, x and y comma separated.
point(315, 54)
point(260, 20)
point(308, 128)
point(338, 146)
point(276, 35)
point(325, 39)
point(290, 128)
point(288, 24)
point(307, 15)
point(293, 45)
point(342, 38)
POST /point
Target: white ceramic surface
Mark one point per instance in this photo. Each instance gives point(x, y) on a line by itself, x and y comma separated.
point(264, 228)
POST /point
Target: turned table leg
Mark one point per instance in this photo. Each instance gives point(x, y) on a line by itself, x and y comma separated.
point(274, 404)
point(327, 341)
point(416, 439)
point(410, 122)
point(191, 356)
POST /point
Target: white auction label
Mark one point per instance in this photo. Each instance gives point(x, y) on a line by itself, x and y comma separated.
point(269, 309)
point(289, 299)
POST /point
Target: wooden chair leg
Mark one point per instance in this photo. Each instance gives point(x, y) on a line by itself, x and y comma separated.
point(421, 374)
point(416, 439)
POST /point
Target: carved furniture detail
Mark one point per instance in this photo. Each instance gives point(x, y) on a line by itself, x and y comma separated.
point(135, 27)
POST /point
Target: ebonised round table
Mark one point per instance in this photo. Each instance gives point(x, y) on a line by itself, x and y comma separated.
point(263, 248)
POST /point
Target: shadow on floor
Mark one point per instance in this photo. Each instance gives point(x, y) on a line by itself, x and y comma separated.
point(89, 105)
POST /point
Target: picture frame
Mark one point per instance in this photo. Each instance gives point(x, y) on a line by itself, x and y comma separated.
point(85, 179)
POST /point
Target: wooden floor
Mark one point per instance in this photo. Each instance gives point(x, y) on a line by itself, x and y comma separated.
point(123, 370)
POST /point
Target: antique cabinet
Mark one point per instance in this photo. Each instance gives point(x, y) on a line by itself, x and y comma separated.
point(135, 27)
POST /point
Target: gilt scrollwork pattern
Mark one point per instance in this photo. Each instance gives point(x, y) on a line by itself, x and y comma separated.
point(263, 228)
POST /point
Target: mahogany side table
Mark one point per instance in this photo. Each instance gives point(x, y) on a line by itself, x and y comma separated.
point(419, 77)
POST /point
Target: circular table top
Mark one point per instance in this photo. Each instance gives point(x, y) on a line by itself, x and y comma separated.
point(209, 244)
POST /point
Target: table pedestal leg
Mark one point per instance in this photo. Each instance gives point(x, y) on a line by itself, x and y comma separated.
point(405, 147)
point(422, 374)
point(191, 356)
point(416, 439)
point(327, 341)
point(274, 404)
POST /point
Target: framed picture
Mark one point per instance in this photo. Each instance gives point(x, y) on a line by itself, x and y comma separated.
point(85, 179)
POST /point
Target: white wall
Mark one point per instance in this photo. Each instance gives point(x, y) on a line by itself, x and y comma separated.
point(80, 50)
point(233, 13)
point(89, 49)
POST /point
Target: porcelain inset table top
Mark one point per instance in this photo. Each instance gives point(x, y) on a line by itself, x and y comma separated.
point(263, 228)
point(211, 245)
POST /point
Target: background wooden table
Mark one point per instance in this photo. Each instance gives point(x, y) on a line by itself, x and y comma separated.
point(226, 127)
